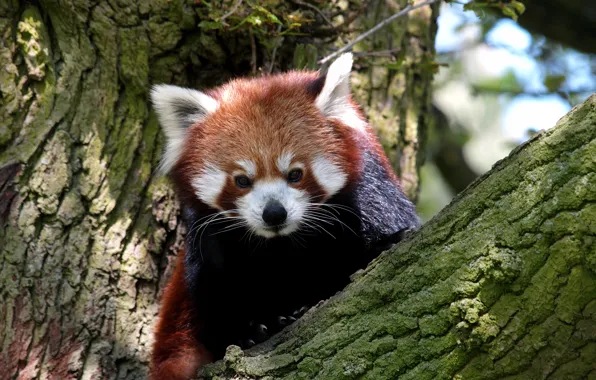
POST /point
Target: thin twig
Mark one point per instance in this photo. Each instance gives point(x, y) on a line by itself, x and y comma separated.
point(343, 28)
point(376, 28)
point(316, 10)
point(253, 48)
point(382, 53)
point(517, 92)
point(274, 52)
point(232, 11)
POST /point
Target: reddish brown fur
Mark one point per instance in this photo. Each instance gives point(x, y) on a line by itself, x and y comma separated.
point(259, 119)
point(177, 354)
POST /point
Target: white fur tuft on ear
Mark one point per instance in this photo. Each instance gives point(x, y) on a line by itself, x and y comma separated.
point(334, 98)
point(177, 109)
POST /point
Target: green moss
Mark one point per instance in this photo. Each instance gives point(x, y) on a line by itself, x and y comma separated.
point(163, 69)
point(435, 324)
point(33, 40)
point(271, 365)
point(308, 368)
point(71, 208)
point(467, 309)
point(579, 290)
point(134, 59)
point(579, 367)
point(52, 173)
point(393, 363)
point(210, 49)
point(486, 329)
point(349, 363)
point(34, 43)
point(93, 166)
point(164, 34)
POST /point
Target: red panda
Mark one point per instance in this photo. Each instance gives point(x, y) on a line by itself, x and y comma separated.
point(286, 192)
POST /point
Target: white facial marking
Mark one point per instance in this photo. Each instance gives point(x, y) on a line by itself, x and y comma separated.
point(249, 167)
point(209, 184)
point(334, 99)
point(329, 175)
point(284, 161)
point(177, 109)
point(251, 206)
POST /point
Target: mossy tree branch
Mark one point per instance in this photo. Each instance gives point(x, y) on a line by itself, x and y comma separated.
point(501, 284)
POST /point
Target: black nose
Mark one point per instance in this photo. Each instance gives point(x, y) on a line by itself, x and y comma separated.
point(274, 213)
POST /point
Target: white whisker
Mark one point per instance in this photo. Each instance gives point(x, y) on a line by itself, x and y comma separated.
point(318, 227)
point(339, 221)
point(231, 227)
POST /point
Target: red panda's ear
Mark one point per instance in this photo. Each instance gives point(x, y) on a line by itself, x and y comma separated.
point(177, 109)
point(334, 100)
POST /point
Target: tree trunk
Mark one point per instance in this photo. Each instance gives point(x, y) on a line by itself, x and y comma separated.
point(501, 284)
point(88, 231)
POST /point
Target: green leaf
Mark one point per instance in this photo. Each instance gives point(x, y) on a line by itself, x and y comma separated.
point(509, 13)
point(506, 83)
point(397, 65)
point(251, 19)
point(270, 16)
point(520, 8)
point(254, 19)
point(305, 57)
point(554, 82)
point(210, 25)
point(477, 8)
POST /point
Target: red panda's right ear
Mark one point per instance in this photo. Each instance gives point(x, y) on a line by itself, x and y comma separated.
point(177, 109)
point(334, 98)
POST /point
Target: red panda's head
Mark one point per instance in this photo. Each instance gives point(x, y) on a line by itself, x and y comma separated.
point(265, 150)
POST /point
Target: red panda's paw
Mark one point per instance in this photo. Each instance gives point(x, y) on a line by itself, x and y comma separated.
point(283, 321)
point(254, 333)
point(259, 332)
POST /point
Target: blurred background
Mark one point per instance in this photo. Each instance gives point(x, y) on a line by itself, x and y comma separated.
point(500, 82)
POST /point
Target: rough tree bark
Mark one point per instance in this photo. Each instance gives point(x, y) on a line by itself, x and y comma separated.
point(88, 232)
point(501, 284)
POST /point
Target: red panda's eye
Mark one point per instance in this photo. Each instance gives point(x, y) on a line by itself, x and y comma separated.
point(242, 181)
point(295, 175)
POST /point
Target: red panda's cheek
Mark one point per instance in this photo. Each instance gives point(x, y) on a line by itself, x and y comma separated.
point(330, 175)
point(208, 184)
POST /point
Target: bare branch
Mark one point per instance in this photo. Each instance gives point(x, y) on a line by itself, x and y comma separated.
point(381, 53)
point(277, 43)
point(253, 49)
point(327, 20)
point(564, 93)
point(232, 11)
point(376, 28)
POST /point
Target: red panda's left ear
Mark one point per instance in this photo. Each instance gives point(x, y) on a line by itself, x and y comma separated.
point(177, 109)
point(334, 100)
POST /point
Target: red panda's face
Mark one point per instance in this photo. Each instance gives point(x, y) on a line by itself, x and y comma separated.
point(265, 151)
